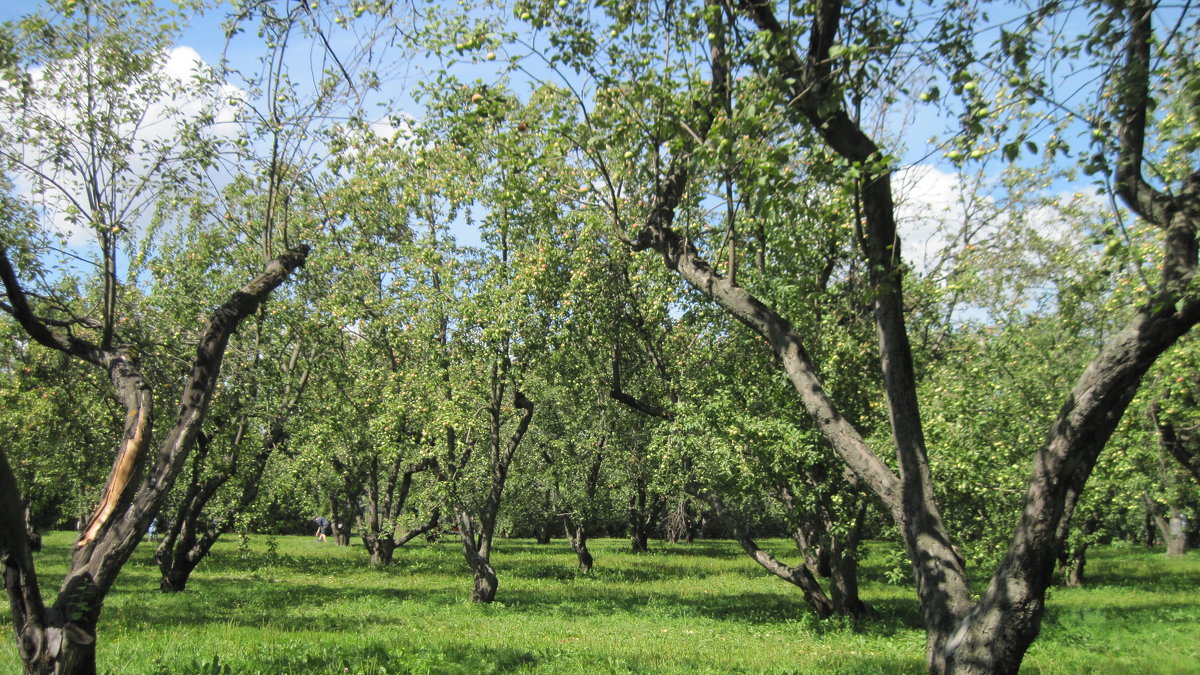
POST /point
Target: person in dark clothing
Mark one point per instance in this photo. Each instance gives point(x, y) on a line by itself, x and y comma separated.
point(323, 528)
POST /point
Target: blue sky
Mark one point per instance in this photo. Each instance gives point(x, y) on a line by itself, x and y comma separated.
point(932, 183)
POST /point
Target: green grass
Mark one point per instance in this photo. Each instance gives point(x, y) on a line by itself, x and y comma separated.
point(702, 608)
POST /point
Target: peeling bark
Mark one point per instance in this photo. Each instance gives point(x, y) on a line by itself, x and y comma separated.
point(62, 638)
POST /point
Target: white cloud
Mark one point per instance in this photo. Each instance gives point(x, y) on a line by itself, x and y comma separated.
point(149, 117)
point(930, 212)
point(203, 94)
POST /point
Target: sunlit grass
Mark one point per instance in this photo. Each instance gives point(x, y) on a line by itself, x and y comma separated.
point(702, 607)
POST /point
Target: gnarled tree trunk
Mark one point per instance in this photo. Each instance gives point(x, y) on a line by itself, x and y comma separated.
point(992, 634)
point(477, 543)
point(61, 638)
point(384, 505)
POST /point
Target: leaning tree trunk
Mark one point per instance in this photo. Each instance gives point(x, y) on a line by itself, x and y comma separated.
point(196, 538)
point(62, 638)
point(193, 531)
point(990, 635)
point(486, 583)
point(798, 576)
point(575, 525)
point(174, 553)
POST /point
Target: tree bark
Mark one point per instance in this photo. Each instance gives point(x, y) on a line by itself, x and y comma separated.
point(1170, 528)
point(578, 536)
point(477, 545)
point(62, 638)
point(798, 576)
point(486, 583)
point(1075, 564)
point(990, 635)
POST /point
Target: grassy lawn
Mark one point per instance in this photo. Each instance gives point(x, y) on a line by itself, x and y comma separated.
point(704, 607)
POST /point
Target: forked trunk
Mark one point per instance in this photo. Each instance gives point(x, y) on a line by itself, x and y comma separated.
point(64, 653)
point(175, 579)
point(477, 543)
point(62, 638)
point(381, 548)
point(584, 556)
point(644, 512)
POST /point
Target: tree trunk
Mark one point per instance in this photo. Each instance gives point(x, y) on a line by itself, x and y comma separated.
point(990, 635)
point(644, 512)
point(639, 542)
point(62, 638)
point(797, 576)
point(477, 546)
point(1073, 572)
point(1176, 534)
point(343, 522)
point(1170, 528)
point(381, 548)
point(343, 508)
point(545, 523)
point(484, 589)
point(69, 651)
point(843, 570)
point(173, 554)
point(809, 546)
point(578, 537)
point(385, 504)
point(181, 550)
point(486, 583)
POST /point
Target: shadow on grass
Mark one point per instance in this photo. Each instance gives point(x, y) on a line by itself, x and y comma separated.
point(240, 588)
point(1162, 612)
point(255, 603)
point(375, 658)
